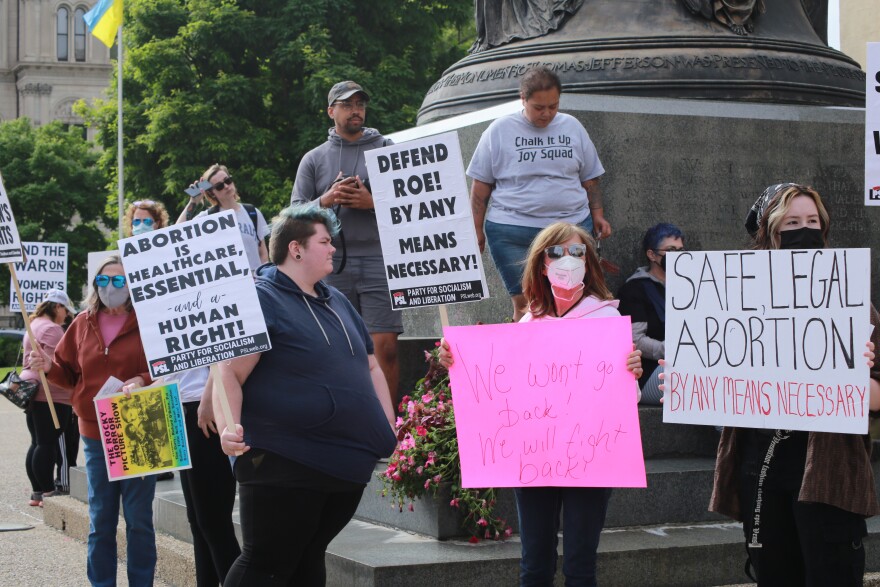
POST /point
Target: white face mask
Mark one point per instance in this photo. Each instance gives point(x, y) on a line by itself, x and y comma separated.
point(566, 274)
point(113, 296)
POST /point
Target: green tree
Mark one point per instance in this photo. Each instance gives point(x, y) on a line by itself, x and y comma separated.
point(244, 82)
point(56, 189)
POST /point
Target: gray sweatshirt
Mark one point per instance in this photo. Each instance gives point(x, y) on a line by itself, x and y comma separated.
point(317, 170)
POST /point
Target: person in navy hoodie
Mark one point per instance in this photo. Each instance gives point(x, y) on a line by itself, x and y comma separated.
point(315, 411)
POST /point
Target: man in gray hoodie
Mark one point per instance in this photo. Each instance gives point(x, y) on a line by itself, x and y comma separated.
point(334, 175)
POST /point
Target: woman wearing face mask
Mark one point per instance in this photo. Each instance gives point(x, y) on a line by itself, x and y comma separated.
point(816, 488)
point(143, 216)
point(562, 280)
point(101, 342)
point(643, 298)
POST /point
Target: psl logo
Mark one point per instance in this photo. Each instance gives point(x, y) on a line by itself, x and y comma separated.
point(874, 193)
point(159, 367)
point(399, 298)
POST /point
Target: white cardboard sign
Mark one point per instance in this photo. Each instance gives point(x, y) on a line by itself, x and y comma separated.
point(192, 288)
point(425, 223)
point(768, 339)
point(45, 269)
point(10, 243)
point(872, 126)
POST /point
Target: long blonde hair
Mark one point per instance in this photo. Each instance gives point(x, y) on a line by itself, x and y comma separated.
point(536, 286)
point(768, 231)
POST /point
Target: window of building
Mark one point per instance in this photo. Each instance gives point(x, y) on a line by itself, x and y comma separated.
point(79, 35)
point(62, 36)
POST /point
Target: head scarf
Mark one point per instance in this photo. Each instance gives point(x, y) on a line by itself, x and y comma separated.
point(753, 220)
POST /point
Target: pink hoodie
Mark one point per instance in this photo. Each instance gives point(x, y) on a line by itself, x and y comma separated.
point(588, 307)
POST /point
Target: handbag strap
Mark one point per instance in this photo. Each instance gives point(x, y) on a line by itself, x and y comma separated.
point(20, 351)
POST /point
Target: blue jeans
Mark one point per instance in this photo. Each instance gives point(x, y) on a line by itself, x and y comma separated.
point(508, 245)
point(583, 516)
point(137, 508)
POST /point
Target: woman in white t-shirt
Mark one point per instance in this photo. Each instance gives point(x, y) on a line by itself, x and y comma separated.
point(537, 166)
point(223, 196)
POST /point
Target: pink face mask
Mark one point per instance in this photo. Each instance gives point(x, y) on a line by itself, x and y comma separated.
point(566, 276)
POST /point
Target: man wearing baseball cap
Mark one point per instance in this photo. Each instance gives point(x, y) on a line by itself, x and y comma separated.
point(334, 175)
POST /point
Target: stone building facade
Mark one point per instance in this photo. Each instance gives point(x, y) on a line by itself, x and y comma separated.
point(49, 60)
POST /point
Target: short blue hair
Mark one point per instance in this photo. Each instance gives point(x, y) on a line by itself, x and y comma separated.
point(655, 235)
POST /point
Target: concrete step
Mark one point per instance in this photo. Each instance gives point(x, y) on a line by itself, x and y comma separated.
point(678, 491)
point(674, 440)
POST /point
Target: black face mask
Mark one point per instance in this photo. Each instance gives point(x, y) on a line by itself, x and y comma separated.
point(663, 262)
point(801, 238)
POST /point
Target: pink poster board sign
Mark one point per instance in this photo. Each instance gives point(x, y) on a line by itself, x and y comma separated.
point(546, 404)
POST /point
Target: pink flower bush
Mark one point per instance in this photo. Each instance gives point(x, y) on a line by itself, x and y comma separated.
point(426, 434)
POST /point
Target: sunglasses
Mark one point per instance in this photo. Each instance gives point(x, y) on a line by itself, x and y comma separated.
point(222, 184)
point(559, 251)
point(143, 203)
point(146, 221)
point(102, 280)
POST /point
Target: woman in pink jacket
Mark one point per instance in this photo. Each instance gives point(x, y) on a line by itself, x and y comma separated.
point(562, 280)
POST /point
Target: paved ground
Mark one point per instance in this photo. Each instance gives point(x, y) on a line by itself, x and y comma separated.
point(40, 556)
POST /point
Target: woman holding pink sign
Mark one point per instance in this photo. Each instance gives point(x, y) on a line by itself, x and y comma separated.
point(562, 280)
point(802, 496)
point(105, 342)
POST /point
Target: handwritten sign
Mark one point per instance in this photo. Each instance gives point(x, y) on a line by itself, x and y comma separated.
point(425, 224)
point(193, 282)
point(546, 403)
point(143, 434)
point(10, 243)
point(768, 339)
point(872, 126)
point(44, 269)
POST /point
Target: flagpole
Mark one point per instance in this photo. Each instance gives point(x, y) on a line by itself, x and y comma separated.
point(119, 163)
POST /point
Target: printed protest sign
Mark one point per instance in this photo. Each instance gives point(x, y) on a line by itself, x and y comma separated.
point(768, 339)
point(44, 269)
point(425, 224)
point(872, 126)
point(192, 287)
point(546, 403)
point(143, 434)
point(10, 243)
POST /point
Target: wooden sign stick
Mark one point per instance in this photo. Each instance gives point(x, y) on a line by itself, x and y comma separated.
point(34, 344)
point(444, 318)
point(220, 393)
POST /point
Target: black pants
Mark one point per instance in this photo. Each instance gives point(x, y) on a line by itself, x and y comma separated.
point(68, 450)
point(209, 493)
point(40, 459)
point(803, 544)
point(286, 532)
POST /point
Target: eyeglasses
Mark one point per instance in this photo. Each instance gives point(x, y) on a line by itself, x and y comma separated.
point(347, 105)
point(146, 221)
point(559, 251)
point(102, 280)
point(670, 250)
point(143, 203)
point(222, 184)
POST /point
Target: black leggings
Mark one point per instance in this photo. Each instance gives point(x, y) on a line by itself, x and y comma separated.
point(286, 532)
point(40, 460)
point(803, 544)
point(209, 493)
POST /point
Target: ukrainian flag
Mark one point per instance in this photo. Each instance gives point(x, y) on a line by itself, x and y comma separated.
point(104, 19)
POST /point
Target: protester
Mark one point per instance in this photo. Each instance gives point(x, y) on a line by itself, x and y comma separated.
point(223, 196)
point(537, 167)
point(643, 298)
point(143, 216)
point(208, 486)
point(562, 280)
point(816, 488)
point(334, 175)
point(105, 342)
point(46, 323)
point(315, 411)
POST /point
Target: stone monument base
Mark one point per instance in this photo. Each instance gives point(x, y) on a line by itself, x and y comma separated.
point(697, 164)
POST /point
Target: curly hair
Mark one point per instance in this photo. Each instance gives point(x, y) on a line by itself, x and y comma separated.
point(536, 286)
point(767, 236)
point(156, 209)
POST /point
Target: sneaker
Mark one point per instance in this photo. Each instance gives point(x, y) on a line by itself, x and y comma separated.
point(36, 499)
